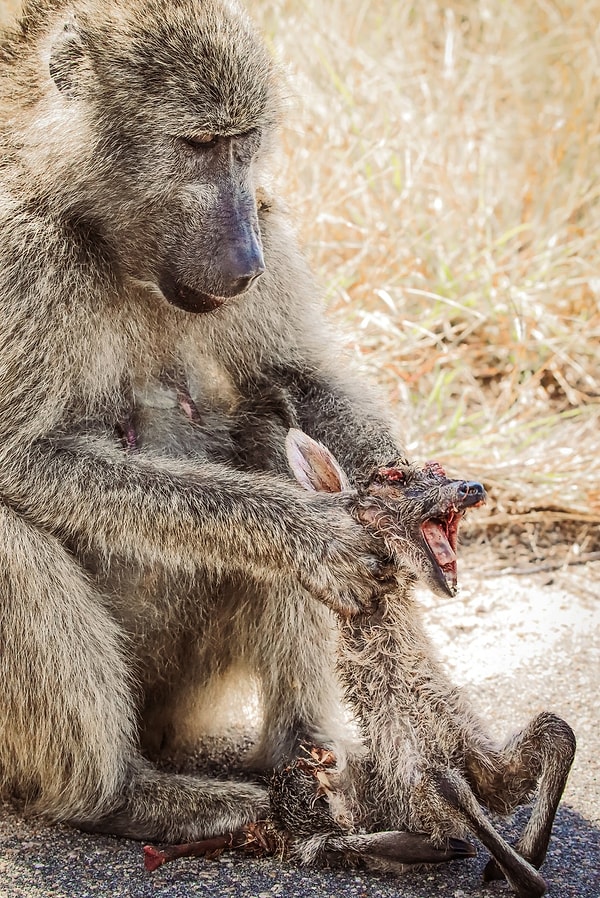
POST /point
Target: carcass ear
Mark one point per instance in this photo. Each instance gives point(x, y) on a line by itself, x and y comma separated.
point(67, 61)
point(313, 466)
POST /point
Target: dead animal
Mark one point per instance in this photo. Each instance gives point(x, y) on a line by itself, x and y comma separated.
point(311, 822)
point(428, 765)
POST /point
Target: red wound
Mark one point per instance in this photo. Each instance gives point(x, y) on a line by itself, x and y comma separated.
point(434, 467)
point(395, 475)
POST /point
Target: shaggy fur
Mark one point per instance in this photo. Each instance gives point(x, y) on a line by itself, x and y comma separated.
point(428, 761)
point(150, 540)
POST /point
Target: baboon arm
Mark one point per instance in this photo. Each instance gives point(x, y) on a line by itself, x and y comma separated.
point(160, 510)
point(350, 426)
point(342, 413)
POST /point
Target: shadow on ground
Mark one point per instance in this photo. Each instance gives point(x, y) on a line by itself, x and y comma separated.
point(56, 862)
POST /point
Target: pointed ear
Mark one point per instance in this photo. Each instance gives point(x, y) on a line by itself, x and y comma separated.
point(313, 466)
point(67, 61)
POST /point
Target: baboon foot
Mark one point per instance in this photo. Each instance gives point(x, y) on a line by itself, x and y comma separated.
point(410, 848)
point(531, 888)
point(492, 871)
point(523, 879)
point(394, 852)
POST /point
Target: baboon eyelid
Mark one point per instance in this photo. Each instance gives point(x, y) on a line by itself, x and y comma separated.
point(201, 141)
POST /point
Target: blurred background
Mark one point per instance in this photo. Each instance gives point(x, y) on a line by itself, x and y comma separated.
point(442, 162)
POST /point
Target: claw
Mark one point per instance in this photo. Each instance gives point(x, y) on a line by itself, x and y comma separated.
point(460, 848)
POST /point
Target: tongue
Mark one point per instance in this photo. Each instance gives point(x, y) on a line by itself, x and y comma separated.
point(438, 543)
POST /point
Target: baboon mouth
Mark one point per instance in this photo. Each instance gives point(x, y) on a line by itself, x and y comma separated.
point(441, 537)
point(188, 298)
point(440, 533)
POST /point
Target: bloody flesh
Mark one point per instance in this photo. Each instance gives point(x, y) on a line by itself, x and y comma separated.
point(441, 537)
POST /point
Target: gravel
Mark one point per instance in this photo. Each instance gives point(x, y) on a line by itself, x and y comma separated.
point(519, 643)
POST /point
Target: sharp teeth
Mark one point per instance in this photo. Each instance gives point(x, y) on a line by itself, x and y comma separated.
point(452, 580)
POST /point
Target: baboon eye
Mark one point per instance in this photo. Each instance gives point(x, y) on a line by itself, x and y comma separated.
point(201, 142)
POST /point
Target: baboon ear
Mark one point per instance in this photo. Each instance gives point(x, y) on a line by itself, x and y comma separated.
point(67, 60)
point(313, 466)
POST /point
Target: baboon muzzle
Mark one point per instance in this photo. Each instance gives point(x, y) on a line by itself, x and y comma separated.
point(440, 529)
point(470, 493)
point(241, 260)
point(216, 263)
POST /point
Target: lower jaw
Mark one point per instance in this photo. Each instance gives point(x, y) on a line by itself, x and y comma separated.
point(208, 304)
point(188, 299)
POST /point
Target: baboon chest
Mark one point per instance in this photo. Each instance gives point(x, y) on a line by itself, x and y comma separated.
point(180, 412)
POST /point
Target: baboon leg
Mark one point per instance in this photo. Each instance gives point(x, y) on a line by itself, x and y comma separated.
point(541, 755)
point(165, 807)
point(402, 848)
point(290, 643)
point(455, 792)
point(67, 715)
point(66, 711)
point(383, 852)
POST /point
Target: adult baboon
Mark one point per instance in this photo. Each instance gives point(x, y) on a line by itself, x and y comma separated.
point(149, 542)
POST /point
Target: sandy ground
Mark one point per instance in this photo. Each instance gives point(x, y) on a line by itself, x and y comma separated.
point(520, 644)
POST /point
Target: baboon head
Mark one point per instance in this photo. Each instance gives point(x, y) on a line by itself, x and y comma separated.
point(416, 511)
point(176, 107)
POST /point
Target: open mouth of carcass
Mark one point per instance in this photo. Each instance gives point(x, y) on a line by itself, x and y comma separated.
point(440, 533)
point(441, 538)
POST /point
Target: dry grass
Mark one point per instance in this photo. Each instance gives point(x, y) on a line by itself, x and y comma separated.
point(442, 162)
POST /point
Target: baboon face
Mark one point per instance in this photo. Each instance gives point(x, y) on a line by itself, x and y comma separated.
point(179, 95)
point(417, 511)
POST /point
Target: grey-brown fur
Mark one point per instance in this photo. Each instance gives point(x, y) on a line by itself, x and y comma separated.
point(150, 541)
point(428, 763)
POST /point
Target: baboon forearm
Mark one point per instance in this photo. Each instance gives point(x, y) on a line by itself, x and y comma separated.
point(159, 510)
point(354, 430)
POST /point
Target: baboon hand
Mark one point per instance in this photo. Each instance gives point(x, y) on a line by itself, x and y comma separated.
point(347, 568)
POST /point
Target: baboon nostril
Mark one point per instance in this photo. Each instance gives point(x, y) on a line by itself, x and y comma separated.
point(241, 284)
point(255, 274)
point(470, 492)
point(240, 265)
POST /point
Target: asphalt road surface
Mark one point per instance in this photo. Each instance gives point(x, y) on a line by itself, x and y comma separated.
point(520, 644)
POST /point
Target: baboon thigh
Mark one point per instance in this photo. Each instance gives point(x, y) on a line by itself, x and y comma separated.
point(65, 710)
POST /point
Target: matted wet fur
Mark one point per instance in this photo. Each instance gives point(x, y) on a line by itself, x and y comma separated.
point(428, 762)
point(149, 287)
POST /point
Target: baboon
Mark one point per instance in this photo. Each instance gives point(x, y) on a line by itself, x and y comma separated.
point(428, 762)
point(149, 288)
